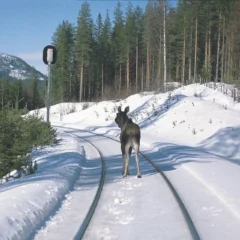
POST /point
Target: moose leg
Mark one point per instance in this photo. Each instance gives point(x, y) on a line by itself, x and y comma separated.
point(130, 152)
point(126, 161)
point(136, 147)
point(123, 157)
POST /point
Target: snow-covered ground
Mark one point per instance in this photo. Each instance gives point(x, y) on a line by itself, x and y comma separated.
point(192, 133)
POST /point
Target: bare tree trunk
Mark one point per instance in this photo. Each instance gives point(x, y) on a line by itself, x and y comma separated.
point(227, 58)
point(142, 77)
point(206, 56)
point(148, 67)
point(230, 60)
point(137, 66)
point(195, 52)
point(218, 47)
point(190, 56)
point(164, 46)
point(84, 91)
point(81, 81)
point(70, 87)
point(206, 48)
point(120, 78)
point(127, 71)
point(89, 91)
point(183, 56)
point(160, 63)
point(102, 82)
point(223, 50)
point(89, 83)
point(153, 71)
point(209, 53)
point(177, 71)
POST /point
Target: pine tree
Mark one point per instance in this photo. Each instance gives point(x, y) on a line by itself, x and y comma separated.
point(148, 32)
point(138, 12)
point(118, 44)
point(106, 66)
point(4, 91)
point(164, 46)
point(16, 93)
point(98, 56)
point(63, 72)
point(190, 43)
point(33, 92)
point(130, 33)
point(83, 45)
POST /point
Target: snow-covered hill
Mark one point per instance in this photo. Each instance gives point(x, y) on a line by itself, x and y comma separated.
point(191, 115)
point(193, 133)
point(15, 67)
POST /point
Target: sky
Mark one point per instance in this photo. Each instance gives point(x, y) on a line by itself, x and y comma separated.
point(27, 26)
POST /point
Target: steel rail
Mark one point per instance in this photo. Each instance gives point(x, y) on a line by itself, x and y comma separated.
point(192, 229)
point(93, 206)
point(188, 219)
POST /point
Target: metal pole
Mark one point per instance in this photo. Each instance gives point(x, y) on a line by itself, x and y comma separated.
point(48, 93)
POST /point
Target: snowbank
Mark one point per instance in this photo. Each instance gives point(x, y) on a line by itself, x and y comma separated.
point(26, 203)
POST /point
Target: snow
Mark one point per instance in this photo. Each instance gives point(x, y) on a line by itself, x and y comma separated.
point(191, 133)
point(16, 67)
point(16, 73)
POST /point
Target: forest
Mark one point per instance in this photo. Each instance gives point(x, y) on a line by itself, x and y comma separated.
point(194, 41)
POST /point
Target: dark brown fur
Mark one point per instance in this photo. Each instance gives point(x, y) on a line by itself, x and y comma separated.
point(129, 138)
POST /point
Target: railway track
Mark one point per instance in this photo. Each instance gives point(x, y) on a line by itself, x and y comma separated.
point(189, 222)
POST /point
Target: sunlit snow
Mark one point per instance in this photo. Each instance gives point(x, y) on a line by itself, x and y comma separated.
point(192, 134)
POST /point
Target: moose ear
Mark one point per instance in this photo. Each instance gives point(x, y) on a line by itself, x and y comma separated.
point(119, 109)
point(126, 109)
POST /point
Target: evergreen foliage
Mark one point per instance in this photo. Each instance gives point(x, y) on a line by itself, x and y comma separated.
point(103, 59)
point(118, 58)
point(18, 137)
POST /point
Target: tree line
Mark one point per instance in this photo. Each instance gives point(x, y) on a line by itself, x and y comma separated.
point(141, 49)
point(20, 94)
point(138, 50)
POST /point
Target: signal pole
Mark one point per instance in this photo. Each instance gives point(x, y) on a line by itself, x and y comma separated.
point(49, 57)
point(48, 92)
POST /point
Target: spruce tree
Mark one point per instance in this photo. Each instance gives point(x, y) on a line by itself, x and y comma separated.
point(97, 55)
point(63, 71)
point(83, 45)
point(106, 62)
point(118, 45)
point(130, 33)
point(138, 13)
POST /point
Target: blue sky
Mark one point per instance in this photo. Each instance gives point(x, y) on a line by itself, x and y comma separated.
point(27, 26)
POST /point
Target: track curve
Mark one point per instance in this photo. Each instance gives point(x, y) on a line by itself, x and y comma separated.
point(189, 222)
point(93, 206)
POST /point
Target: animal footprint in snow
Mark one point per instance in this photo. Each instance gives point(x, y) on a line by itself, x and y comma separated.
point(114, 211)
point(126, 184)
point(105, 234)
point(117, 194)
point(126, 220)
point(138, 185)
point(122, 200)
point(116, 200)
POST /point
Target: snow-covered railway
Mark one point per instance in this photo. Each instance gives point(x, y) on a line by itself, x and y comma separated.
point(94, 203)
point(101, 223)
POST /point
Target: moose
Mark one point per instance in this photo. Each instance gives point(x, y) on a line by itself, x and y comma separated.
point(129, 138)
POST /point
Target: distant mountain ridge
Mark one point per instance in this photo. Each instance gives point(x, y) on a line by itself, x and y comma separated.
point(15, 67)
